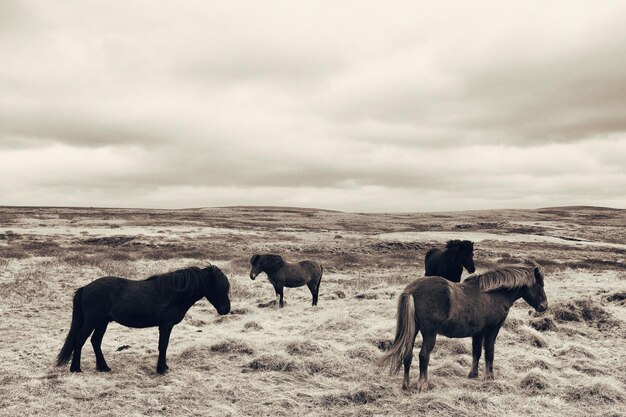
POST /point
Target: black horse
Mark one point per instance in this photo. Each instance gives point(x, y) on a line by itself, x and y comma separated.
point(449, 263)
point(285, 274)
point(160, 300)
point(477, 307)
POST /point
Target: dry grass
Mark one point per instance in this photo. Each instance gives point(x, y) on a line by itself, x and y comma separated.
point(303, 360)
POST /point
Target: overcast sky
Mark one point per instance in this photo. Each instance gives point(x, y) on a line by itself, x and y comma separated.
point(357, 106)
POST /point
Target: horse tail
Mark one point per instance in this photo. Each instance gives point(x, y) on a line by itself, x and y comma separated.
point(406, 330)
point(65, 354)
point(317, 287)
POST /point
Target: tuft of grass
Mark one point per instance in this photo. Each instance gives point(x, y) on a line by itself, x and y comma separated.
point(543, 324)
point(364, 352)
point(452, 346)
point(362, 396)
point(533, 338)
point(232, 346)
point(366, 296)
point(272, 362)
point(598, 392)
point(303, 348)
point(252, 326)
point(534, 382)
point(240, 311)
point(618, 297)
point(584, 310)
point(382, 344)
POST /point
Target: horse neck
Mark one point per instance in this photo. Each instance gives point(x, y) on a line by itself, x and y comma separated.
point(190, 299)
point(452, 255)
point(510, 296)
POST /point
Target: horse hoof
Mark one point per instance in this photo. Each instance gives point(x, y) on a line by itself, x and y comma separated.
point(422, 386)
point(104, 369)
point(75, 370)
point(162, 369)
point(473, 375)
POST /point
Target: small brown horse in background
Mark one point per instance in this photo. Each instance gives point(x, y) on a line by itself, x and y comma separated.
point(477, 307)
point(285, 274)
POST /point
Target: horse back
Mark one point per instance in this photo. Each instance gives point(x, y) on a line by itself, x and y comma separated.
point(300, 273)
point(471, 311)
point(128, 302)
point(432, 301)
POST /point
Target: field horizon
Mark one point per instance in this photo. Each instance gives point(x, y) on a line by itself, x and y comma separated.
point(304, 208)
point(304, 360)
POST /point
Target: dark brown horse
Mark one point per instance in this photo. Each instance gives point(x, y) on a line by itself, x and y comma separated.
point(285, 274)
point(160, 300)
point(449, 263)
point(477, 307)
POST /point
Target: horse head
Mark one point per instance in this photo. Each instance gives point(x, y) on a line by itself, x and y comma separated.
point(255, 261)
point(464, 252)
point(217, 291)
point(534, 294)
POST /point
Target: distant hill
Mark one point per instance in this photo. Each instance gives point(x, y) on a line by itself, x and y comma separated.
point(579, 208)
point(281, 209)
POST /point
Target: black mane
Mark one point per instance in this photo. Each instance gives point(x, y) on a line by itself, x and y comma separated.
point(271, 263)
point(183, 283)
point(460, 245)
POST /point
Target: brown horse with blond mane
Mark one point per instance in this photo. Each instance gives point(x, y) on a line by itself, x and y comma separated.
point(475, 308)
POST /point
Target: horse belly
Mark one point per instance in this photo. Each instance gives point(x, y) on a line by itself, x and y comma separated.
point(295, 279)
point(135, 313)
point(461, 327)
point(457, 330)
point(295, 282)
point(136, 321)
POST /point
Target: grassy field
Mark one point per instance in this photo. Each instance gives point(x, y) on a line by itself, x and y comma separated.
point(305, 360)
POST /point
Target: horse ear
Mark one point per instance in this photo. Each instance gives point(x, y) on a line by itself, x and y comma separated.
point(538, 275)
point(254, 259)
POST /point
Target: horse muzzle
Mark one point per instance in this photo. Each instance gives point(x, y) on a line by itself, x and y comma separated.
point(223, 310)
point(252, 276)
point(542, 307)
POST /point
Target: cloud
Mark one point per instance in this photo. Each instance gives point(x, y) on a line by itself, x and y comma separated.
point(351, 106)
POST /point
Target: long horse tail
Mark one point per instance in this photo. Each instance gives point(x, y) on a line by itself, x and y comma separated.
point(65, 354)
point(317, 287)
point(406, 330)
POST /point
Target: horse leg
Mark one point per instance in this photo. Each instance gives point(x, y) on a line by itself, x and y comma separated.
point(407, 363)
point(279, 295)
point(81, 338)
point(164, 338)
point(477, 347)
point(490, 342)
point(313, 287)
point(428, 343)
point(96, 342)
point(278, 289)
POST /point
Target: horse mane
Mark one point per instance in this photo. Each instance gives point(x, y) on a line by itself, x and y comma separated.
point(183, 283)
point(460, 245)
point(507, 278)
point(271, 263)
